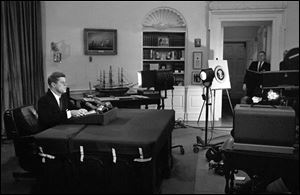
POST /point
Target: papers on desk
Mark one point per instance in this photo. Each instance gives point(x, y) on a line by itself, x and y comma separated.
point(129, 97)
point(107, 99)
point(140, 96)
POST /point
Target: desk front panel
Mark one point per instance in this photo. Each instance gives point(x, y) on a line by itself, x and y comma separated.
point(130, 133)
point(132, 128)
point(56, 140)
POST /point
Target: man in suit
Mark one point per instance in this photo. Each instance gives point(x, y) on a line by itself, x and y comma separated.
point(282, 65)
point(55, 107)
point(251, 87)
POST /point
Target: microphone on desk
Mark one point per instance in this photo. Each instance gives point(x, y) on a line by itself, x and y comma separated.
point(91, 106)
point(108, 105)
point(98, 102)
point(101, 109)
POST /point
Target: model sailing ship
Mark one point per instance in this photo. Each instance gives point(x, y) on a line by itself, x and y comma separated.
point(111, 88)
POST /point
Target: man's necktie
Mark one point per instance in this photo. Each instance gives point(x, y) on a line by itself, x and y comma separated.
point(60, 103)
point(258, 66)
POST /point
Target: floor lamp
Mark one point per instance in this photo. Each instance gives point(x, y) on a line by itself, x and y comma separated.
point(207, 76)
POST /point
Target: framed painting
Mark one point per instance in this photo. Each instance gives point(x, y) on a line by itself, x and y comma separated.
point(196, 78)
point(100, 41)
point(163, 41)
point(197, 42)
point(197, 60)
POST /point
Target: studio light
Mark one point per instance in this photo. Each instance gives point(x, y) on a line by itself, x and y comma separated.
point(207, 76)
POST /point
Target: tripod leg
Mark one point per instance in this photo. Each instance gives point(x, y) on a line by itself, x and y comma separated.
point(229, 101)
point(212, 109)
point(201, 111)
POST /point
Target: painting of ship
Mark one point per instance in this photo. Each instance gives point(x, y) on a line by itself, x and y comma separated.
point(112, 88)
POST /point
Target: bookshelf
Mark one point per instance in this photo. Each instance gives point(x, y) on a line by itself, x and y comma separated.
point(165, 50)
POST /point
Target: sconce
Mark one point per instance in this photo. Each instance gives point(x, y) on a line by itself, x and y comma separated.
point(56, 52)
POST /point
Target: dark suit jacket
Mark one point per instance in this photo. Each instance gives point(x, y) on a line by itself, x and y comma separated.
point(253, 89)
point(282, 66)
point(50, 113)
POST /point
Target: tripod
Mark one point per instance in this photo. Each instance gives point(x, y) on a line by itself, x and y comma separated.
point(205, 99)
point(200, 142)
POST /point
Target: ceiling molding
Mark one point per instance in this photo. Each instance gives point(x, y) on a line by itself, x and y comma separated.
point(247, 5)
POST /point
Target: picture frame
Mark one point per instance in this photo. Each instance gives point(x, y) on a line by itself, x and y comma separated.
point(196, 78)
point(197, 59)
point(100, 41)
point(222, 77)
point(197, 42)
point(163, 41)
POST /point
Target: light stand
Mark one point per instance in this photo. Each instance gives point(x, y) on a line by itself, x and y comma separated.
point(207, 76)
point(206, 117)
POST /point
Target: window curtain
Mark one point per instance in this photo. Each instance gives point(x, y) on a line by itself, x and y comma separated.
point(22, 74)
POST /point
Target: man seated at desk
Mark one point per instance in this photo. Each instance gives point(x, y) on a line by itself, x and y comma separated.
point(55, 107)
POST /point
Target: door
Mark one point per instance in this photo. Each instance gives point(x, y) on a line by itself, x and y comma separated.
point(236, 55)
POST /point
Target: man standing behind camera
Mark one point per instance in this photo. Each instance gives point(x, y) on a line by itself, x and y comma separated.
point(55, 107)
point(251, 87)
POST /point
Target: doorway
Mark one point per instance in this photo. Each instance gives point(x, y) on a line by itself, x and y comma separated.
point(242, 41)
point(218, 17)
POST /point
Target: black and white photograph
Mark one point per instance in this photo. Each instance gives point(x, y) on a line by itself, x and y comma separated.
point(221, 77)
point(196, 80)
point(163, 41)
point(197, 59)
point(197, 42)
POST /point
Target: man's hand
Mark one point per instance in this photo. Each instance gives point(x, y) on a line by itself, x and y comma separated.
point(77, 113)
point(244, 87)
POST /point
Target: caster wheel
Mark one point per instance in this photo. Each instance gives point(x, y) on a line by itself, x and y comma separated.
point(196, 149)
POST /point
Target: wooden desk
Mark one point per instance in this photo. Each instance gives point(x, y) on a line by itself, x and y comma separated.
point(130, 101)
point(129, 155)
point(267, 166)
point(133, 101)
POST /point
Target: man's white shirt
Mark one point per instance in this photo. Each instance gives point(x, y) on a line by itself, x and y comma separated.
point(57, 97)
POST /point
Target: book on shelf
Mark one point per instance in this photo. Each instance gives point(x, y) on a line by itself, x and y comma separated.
point(154, 66)
point(151, 54)
point(182, 55)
